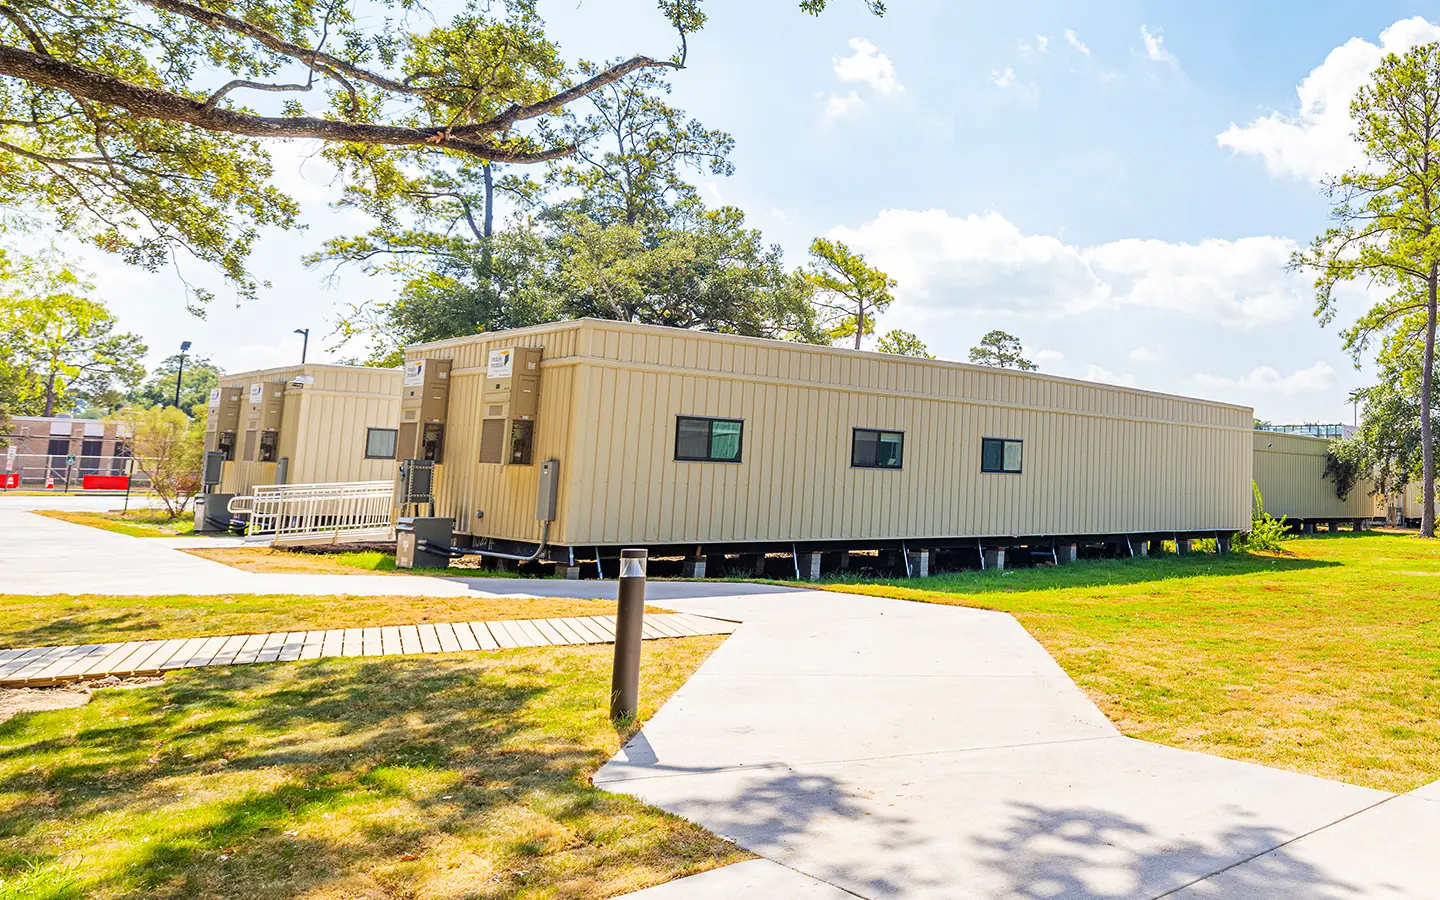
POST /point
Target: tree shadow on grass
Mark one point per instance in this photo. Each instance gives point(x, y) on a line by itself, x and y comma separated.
point(80, 627)
point(335, 776)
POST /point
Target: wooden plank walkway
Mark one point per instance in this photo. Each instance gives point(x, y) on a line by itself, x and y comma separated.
point(50, 666)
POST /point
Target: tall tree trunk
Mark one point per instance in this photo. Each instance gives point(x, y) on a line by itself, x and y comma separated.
point(859, 324)
point(1427, 435)
point(50, 394)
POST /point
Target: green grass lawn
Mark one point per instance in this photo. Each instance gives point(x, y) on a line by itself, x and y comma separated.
point(462, 775)
point(38, 621)
point(135, 523)
point(1323, 659)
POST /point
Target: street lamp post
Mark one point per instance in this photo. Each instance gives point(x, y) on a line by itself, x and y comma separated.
point(305, 346)
point(179, 371)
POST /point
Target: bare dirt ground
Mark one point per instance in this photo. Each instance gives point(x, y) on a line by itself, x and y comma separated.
point(14, 701)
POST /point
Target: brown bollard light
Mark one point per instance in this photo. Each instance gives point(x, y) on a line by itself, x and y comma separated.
point(629, 622)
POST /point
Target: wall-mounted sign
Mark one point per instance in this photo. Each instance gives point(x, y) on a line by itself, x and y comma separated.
point(214, 397)
point(415, 373)
point(257, 393)
point(502, 364)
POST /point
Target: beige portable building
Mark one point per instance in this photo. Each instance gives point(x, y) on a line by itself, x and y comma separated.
point(1290, 472)
point(305, 424)
point(711, 443)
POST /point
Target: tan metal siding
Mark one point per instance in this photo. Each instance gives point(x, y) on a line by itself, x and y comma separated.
point(324, 425)
point(1098, 459)
point(1290, 472)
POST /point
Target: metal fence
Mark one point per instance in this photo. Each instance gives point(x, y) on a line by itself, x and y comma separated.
point(66, 470)
point(351, 510)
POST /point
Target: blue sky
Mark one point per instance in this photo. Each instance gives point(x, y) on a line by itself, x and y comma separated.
point(1119, 184)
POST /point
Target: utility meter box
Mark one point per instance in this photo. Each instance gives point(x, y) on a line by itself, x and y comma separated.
point(510, 405)
point(424, 407)
point(223, 419)
point(265, 407)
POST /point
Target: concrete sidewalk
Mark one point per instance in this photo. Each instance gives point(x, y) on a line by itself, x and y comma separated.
point(40, 555)
point(893, 749)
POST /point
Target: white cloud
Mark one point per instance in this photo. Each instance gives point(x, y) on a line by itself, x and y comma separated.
point(1314, 379)
point(778, 214)
point(1074, 41)
point(1045, 356)
point(1041, 45)
point(1155, 46)
point(867, 65)
point(985, 263)
point(1146, 355)
point(1316, 141)
point(1105, 376)
point(838, 106)
point(1003, 78)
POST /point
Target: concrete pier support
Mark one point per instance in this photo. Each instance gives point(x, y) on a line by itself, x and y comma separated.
point(1065, 554)
point(1222, 543)
point(694, 567)
point(1308, 529)
point(1139, 548)
point(995, 558)
point(810, 566)
point(755, 564)
point(569, 573)
point(1362, 524)
point(1184, 545)
point(919, 563)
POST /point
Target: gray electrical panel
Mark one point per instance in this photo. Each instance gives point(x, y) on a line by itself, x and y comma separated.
point(214, 464)
point(548, 500)
point(417, 482)
point(409, 533)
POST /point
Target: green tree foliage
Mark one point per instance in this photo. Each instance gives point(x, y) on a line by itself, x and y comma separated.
point(168, 448)
point(130, 121)
point(65, 346)
point(198, 377)
point(615, 232)
point(1388, 448)
point(1001, 350)
point(1387, 213)
point(848, 293)
point(903, 343)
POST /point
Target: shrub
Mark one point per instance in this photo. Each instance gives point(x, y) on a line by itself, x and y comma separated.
point(1266, 532)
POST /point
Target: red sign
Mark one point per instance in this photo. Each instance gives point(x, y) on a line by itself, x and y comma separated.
point(10, 480)
point(105, 482)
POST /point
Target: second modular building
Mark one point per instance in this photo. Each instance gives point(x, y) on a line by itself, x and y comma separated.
point(709, 443)
point(1290, 474)
point(305, 424)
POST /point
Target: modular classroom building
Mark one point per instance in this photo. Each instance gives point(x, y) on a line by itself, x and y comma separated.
point(305, 424)
point(694, 444)
point(1290, 473)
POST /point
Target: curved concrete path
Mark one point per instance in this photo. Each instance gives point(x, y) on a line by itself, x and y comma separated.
point(890, 749)
point(877, 748)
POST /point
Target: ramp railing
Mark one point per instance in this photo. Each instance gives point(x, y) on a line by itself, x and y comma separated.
point(353, 510)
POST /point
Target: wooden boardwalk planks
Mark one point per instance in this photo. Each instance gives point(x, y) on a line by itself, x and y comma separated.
point(46, 666)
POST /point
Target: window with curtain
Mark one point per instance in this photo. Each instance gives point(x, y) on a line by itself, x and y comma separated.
point(1000, 455)
point(380, 443)
point(871, 448)
point(701, 439)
